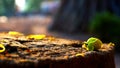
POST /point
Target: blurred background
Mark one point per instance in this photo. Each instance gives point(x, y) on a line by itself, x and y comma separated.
point(72, 19)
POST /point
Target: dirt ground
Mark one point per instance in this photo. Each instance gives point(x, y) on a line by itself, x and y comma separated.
point(26, 25)
point(39, 25)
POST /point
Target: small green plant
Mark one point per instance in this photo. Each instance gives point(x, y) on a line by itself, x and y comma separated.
point(93, 44)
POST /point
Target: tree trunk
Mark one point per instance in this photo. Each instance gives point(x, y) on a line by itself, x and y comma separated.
point(75, 15)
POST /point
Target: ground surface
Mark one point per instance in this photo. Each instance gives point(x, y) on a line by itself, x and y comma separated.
point(39, 25)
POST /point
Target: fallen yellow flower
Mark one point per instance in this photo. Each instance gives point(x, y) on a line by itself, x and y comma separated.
point(80, 54)
point(14, 33)
point(2, 48)
point(37, 37)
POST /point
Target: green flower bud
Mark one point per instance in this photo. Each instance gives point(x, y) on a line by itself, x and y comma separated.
point(93, 44)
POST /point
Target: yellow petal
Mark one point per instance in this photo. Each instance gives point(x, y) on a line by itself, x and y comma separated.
point(14, 33)
point(84, 46)
point(3, 48)
point(111, 44)
point(80, 54)
point(37, 37)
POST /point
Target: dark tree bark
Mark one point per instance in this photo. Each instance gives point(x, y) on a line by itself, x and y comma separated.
point(75, 15)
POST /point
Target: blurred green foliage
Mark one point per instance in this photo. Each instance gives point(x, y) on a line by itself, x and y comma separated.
point(106, 26)
point(7, 7)
point(2, 9)
point(33, 5)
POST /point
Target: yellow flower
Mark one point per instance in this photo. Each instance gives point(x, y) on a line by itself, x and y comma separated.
point(2, 48)
point(36, 37)
point(14, 33)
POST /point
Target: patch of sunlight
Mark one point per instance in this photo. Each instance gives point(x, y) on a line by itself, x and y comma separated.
point(20, 4)
point(3, 19)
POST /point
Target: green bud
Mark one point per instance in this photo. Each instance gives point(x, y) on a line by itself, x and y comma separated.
point(93, 44)
point(90, 47)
